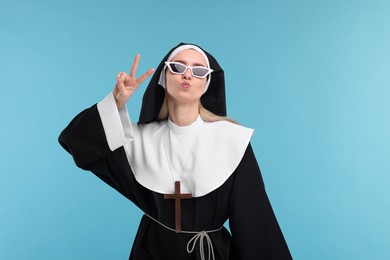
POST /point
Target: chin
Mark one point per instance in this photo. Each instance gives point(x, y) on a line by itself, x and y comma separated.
point(183, 98)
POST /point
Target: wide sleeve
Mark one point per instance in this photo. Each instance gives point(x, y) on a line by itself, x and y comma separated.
point(95, 139)
point(255, 231)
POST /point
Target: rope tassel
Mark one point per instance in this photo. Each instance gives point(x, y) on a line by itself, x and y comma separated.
point(201, 236)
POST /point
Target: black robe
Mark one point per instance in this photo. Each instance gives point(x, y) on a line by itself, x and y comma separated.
point(255, 233)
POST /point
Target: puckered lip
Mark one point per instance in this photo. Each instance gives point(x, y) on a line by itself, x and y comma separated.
point(185, 85)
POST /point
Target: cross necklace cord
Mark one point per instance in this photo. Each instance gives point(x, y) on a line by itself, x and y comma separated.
point(177, 196)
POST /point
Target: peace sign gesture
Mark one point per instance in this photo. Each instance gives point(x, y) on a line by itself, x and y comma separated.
point(126, 85)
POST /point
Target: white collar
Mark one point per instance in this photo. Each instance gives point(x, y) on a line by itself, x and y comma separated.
point(215, 155)
point(185, 129)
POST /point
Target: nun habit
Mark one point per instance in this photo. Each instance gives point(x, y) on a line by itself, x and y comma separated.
point(213, 163)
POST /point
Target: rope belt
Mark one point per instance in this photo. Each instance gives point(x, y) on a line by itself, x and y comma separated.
point(199, 235)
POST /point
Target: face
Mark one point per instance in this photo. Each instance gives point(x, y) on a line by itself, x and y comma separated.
point(186, 88)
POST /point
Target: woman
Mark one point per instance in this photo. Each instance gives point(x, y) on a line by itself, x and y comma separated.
point(185, 165)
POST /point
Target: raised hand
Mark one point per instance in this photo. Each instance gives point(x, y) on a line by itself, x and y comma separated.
point(126, 85)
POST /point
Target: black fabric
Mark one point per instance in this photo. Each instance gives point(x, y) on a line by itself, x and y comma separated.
point(255, 233)
point(213, 100)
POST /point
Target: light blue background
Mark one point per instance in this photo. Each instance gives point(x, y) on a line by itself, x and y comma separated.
point(312, 77)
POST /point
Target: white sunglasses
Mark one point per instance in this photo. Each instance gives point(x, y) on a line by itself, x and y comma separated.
point(196, 71)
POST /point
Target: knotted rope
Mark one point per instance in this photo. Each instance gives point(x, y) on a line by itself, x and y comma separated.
point(199, 235)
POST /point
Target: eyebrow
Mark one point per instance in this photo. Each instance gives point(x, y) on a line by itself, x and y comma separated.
point(194, 64)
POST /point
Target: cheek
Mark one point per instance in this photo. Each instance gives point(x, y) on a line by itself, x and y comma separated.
point(168, 81)
point(202, 84)
point(169, 78)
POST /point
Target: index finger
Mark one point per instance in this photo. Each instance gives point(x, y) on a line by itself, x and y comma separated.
point(134, 66)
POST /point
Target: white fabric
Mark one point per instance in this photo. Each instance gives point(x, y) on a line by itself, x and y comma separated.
point(115, 122)
point(161, 80)
point(178, 145)
point(202, 155)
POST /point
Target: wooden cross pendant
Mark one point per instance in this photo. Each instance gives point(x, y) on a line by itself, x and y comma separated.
point(178, 196)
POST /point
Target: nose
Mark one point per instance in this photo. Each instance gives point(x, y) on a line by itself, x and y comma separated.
point(187, 74)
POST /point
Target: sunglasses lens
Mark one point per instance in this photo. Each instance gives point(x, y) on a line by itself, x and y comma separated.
point(200, 72)
point(177, 68)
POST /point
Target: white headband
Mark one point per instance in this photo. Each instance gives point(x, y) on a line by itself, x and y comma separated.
point(161, 81)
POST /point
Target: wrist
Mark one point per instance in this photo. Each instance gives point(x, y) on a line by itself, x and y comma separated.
point(118, 104)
